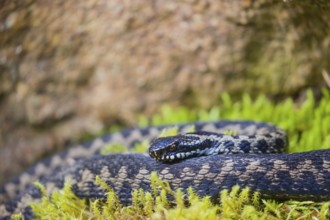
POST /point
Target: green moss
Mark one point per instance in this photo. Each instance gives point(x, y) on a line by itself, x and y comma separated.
point(308, 127)
point(62, 204)
point(236, 204)
point(113, 148)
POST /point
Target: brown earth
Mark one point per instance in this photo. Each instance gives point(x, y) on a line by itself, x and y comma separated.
point(69, 68)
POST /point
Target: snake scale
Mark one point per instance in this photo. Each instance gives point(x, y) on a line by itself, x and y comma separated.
point(299, 176)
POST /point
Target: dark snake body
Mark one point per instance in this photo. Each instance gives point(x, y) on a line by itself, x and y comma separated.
point(299, 176)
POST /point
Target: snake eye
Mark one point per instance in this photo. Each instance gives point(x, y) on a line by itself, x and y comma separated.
point(172, 147)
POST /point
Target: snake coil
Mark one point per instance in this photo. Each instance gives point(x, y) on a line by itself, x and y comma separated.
point(247, 159)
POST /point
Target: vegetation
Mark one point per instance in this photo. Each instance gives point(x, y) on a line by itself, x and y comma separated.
point(308, 127)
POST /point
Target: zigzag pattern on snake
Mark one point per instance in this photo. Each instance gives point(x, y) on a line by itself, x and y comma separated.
point(300, 176)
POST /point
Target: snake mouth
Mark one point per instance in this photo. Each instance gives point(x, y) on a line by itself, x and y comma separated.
point(176, 156)
point(162, 155)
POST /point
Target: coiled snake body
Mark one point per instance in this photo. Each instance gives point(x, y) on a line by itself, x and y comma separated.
point(300, 176)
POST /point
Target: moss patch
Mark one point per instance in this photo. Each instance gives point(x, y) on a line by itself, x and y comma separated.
point(237, 204)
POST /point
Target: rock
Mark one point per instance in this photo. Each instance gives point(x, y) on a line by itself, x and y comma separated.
point(70, 68)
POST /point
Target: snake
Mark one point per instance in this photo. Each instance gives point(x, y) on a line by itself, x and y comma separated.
point(210, 159)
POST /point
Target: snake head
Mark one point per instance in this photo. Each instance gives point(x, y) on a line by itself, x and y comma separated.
point(179, 147)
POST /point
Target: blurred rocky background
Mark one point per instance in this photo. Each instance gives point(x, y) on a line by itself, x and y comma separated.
point(69, 68)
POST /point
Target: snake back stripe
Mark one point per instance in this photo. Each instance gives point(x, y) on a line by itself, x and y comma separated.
point(300, 176)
